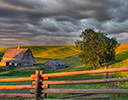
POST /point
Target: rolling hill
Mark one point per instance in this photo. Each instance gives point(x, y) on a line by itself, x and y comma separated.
point(122, 48)
point(58, 51)
point(52, 52)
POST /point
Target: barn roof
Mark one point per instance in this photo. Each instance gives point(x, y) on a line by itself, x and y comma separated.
point(15, 53)
point(58, 62)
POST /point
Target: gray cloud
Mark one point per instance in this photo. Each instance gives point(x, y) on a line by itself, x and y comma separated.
point(53, 22)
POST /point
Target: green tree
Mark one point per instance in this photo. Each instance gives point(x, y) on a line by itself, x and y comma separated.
point(96, 47)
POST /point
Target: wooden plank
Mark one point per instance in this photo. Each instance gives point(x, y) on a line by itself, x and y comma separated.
point(84, 81)
point(83, 72)
point(42, 86)
point(41, 78)
point(119, 83)
point(46, 77)
point(73, 96)
point(41, 72)
point(59, 99)
point(17, 79)
point(83, 91)
point(16, 95)
point(10, 87)
point(37, 86)
point(98, 97)
point(84, 98)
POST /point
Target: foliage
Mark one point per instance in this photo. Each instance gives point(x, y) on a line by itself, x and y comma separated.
point(96, 47)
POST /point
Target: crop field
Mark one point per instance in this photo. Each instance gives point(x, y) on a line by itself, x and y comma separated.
point(68, 54)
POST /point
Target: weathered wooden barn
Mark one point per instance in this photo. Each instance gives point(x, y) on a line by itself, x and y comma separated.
point(54, 65)
point(17, 57)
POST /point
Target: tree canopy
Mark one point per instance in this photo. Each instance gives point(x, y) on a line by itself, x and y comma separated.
point(96, 47)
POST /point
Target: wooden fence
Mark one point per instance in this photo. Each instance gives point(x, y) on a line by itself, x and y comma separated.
point(39, 86)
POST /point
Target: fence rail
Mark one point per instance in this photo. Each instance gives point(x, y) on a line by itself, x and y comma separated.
point(82, 72)
point(15, 87)
point(83, 81)
point(16, 95)
point(39, 86)
point(82, 91)
point(17, 79)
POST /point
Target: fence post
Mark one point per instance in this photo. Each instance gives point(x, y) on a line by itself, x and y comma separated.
point(37, 85)
point(106, 84)
point(119, 84)
point(110, 76)
point(115, 83)
point(43, 86)
point(127, 77)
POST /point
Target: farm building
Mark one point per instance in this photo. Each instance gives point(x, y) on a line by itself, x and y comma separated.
point(17, 57)
point(54, 65)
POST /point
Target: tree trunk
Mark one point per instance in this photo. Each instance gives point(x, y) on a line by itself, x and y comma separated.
point(100, 64)
point(94, 67)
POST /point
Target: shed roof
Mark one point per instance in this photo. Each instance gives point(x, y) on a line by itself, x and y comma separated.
point(58, 62)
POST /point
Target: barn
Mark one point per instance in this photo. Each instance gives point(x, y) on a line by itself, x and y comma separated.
point(17, 57)
point(55, 65)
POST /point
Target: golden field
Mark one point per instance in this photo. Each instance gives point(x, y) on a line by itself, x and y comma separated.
point(122, 48)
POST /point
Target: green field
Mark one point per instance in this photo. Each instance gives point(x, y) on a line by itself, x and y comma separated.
point(68, 54)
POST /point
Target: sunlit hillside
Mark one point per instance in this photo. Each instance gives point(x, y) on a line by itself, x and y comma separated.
point(59, 53)
point(122, 48)
point(53, 52)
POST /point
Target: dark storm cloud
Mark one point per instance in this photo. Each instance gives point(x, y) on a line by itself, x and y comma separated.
point(51, 22)
point(18, 3)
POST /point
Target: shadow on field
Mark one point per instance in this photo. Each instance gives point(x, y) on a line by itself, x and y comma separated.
point(121, 57)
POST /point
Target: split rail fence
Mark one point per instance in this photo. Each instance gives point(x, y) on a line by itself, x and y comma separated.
point(39, 86)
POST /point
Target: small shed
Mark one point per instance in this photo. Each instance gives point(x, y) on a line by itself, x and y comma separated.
point(17, 57)
point(55, 65)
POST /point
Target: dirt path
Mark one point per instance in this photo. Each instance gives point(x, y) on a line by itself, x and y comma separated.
point(18, 70)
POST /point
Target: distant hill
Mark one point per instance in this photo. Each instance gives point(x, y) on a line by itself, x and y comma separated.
point(52, 52)
point(122, 48)
point(56, 52)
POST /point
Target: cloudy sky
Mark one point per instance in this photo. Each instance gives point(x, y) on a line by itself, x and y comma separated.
point(60, 22)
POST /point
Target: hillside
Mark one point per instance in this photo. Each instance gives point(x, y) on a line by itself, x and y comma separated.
point(52, 52)
point(122, 48)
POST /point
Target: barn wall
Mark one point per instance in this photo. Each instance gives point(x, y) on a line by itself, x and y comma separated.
point(2, 63)
point(50, 66)
point(27, 59)
point(60, 67)
point(28, 56)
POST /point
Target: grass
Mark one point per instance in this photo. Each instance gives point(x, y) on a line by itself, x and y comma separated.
point(69, 60)
point(68, 54)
